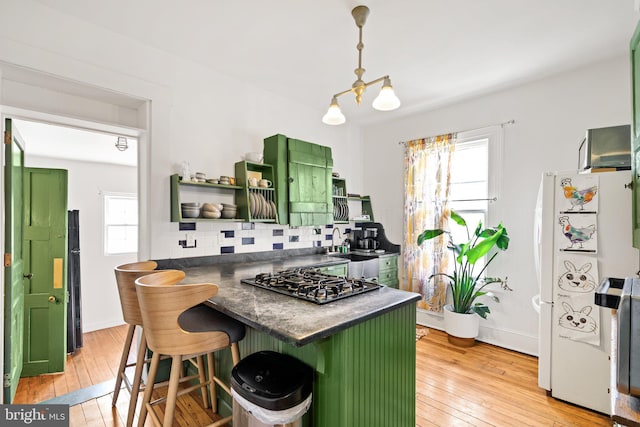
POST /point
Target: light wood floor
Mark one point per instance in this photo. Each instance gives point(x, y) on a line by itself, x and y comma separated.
point(481, 386)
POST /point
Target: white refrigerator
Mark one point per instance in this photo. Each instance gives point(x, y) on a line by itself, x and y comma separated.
point(582, 234)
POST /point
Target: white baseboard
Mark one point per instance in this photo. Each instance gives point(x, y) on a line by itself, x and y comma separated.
point(499, 337)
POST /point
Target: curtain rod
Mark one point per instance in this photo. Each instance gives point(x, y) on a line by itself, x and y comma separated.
point(503, 124)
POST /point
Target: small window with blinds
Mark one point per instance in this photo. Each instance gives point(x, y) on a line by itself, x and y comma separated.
point(120, 224)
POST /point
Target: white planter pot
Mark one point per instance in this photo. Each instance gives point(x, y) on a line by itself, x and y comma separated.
point(463, 326)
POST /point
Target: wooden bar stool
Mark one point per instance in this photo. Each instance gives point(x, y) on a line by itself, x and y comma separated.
point(126, 275)
point(177, 324)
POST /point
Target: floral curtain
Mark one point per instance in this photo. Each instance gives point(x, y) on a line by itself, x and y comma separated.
point(427, 176)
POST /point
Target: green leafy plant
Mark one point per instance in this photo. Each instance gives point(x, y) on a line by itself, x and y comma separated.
point(467, 285)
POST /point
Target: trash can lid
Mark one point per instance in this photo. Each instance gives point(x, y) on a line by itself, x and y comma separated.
point(272, 380)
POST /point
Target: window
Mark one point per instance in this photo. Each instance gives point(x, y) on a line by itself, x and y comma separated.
point(473, 181)
point(469, 187)
point(120, 223)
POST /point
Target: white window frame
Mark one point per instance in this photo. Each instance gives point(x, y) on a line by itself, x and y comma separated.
point(493, 136)
point(495, 142)
point(105, 225)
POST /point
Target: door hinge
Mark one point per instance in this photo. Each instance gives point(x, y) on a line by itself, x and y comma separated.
point(6, 380)
point(7, 137)
point(7, 260)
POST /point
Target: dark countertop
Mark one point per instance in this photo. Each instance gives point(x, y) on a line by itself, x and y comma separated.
point(289, 319)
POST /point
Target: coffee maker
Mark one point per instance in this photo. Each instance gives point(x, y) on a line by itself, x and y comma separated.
point(369, 240)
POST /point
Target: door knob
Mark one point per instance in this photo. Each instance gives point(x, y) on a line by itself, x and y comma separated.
point(28, 276)
point(52, 298)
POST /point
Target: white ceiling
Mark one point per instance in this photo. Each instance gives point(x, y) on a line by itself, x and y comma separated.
point(436, 51)
point(60, 142)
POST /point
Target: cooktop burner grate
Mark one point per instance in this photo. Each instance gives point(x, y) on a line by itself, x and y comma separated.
point(312, 285)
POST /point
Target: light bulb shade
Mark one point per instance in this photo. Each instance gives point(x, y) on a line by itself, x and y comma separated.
point(121, 143)
point(387, 99)
point(334, 116)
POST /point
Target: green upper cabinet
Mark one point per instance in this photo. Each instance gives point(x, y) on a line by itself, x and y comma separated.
point(635, 134)
point(302, 180)
point(255, 203)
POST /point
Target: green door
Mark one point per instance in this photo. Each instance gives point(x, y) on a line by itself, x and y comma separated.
point(13, 272)
point(310, 198)
point(45, 253)
point(635, 135)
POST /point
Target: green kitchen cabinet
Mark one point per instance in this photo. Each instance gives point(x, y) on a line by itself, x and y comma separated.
point(388, 270)
point(635, 135)
point(302, 180)
point(340, 201)
point(255, 203)
point(366, 209)
point(365, 375)
point(200, 190)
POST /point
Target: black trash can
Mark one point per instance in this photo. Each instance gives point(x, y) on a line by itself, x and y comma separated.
point(270, 388)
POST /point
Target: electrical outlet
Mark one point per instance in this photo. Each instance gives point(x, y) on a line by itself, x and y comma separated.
point(189, 242)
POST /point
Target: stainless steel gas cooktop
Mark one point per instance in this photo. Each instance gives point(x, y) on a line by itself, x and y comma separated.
point(312, 285)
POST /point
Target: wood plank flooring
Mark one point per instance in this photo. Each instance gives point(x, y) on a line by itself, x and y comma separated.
point(479, 386)
point(486, 385)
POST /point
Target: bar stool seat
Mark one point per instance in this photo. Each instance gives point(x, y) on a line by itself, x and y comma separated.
point(203, 319)
point(177, 324)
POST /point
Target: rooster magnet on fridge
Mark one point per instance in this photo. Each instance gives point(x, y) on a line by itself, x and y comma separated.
point(579, 233)
point(579, 194)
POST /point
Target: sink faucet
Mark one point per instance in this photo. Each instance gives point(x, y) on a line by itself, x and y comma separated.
point(333, 235)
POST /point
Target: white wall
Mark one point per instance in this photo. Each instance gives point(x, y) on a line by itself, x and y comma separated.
point(551, 117)
point(86, 185)
point(197, 114)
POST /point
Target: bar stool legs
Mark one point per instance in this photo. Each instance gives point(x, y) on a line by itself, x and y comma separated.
point(137, 378)
point(134, 387)
point(146, 398)
point(123, 363)
point(173, 392)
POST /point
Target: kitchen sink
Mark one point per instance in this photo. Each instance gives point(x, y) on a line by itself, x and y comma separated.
point(354, 257)
point(361, 265)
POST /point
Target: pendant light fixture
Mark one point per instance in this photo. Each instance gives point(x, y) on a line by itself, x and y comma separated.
point(385, 101)
point(121, 143)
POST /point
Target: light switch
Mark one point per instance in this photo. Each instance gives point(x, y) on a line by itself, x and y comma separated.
point(191, 240)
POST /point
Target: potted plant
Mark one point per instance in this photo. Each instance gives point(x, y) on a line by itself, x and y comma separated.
point(461, 317)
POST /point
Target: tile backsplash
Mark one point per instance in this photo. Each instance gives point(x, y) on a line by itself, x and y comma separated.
point(215, 238)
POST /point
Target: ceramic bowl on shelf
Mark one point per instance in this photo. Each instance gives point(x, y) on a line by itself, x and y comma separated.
point(190, 212)
point(209, 207)
point(190, 209)
point(253, 157)
point(211, 214)
point(229, 213)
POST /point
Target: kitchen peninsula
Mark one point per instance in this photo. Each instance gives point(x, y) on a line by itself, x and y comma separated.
point(362, 347)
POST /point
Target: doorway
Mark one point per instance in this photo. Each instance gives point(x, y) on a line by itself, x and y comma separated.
point(100, 165)
point(85, 103)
